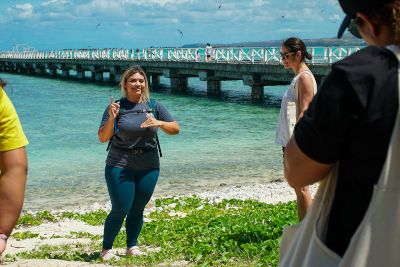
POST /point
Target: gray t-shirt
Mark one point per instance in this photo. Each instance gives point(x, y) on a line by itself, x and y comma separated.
point(134, 147)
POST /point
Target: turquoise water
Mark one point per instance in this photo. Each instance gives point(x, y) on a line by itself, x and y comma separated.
point(224, 140)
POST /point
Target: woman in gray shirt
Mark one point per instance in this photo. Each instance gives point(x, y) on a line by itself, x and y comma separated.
point(132, 165)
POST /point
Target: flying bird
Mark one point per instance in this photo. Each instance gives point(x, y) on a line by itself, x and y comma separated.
point(98, 25)
point(180, 32)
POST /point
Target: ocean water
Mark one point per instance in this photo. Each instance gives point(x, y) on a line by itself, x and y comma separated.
point(223, 141)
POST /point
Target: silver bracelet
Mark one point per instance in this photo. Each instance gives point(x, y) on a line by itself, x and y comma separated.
point(3, 236)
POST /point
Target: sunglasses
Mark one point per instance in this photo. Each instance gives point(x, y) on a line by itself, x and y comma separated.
point(353, 28)
point(286, 55)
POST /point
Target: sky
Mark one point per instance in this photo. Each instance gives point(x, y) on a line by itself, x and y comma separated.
point(73, 24)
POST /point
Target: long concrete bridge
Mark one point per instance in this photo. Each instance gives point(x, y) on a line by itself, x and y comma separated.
point(256, 67)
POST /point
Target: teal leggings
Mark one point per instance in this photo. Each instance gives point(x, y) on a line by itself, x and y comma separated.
point(129, 191)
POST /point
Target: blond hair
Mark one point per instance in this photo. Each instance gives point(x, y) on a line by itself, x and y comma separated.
point(145, 96)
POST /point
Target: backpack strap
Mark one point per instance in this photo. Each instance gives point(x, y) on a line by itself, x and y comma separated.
point(153, 106)
point(116, 129)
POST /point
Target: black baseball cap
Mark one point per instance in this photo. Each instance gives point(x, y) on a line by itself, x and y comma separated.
point(351, 7)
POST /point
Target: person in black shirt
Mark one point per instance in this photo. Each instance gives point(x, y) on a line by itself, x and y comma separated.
point(351, 119)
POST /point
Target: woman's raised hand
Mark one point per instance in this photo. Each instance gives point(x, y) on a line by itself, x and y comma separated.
point(113, 108)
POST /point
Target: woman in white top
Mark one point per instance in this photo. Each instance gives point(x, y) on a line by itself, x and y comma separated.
point(299, 95)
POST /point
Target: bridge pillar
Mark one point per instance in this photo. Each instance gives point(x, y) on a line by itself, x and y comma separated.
point(53, 72)
point(115, 74)
point(10, 67)
point(112, 77)
point(65, 73)
point(28, 68)
point(148, 76)
point(40, 71)
point(117, 77)
point(155, 79)
point(213, 82)
point(38, 68)
point(179, 83)
point(21, 68)
point(213, 87)
point(257, 93)
point(257, 86)
point(80, 74)
point(97, 76)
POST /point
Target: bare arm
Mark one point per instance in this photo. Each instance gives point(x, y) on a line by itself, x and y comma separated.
point(14, 169)
point(170, 127)
point(167, 127)
point(300, 170)
point(107, 130)
point(306, 93)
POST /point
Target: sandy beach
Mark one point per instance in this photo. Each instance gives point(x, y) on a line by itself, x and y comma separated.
point(54, 233)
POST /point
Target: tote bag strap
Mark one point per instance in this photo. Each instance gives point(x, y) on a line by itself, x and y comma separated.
point(391, 169)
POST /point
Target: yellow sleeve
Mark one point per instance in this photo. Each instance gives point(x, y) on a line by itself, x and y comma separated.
point(11, 134)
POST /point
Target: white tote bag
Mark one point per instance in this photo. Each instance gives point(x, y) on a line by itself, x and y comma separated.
point(377, 239)
point(301, 244)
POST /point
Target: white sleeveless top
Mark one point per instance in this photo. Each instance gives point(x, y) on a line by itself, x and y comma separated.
point(282, 130)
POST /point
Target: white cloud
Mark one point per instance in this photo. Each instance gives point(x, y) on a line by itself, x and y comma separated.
point(156, 2)
point(54, 2)
point(100, 7)
point(259, 3)
point(21, 11)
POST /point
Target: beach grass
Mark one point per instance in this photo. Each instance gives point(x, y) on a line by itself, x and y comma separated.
point(180, 231)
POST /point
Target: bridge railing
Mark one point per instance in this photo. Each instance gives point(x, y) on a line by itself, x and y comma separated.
point(254, 55)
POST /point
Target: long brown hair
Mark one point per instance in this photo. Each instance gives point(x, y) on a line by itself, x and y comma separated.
point(145, 96)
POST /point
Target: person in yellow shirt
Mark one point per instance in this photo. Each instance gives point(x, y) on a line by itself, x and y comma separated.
point(13, 167)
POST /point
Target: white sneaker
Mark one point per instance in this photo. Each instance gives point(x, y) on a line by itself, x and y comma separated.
point(108, 254)
point(134, 251)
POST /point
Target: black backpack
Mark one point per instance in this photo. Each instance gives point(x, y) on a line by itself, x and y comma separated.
point(153, 109)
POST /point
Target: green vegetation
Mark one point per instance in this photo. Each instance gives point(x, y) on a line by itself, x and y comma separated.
point(37, 219)
point(24, 235)
point(186, 231)
point(85, 235)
